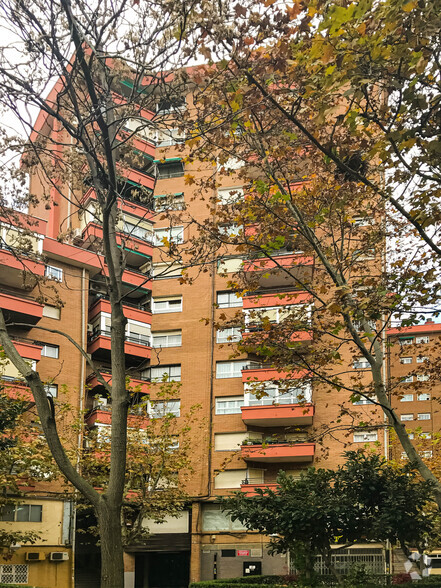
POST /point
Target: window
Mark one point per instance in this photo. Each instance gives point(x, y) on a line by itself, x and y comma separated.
point(423, 396)
point(275, 395)
point(229, 404)
point(14, 573)
point(228, 441)
point(361, 363)
point(407, 379)
point(172, 373)
point(422, 377)
point(53, 273)
point(169, 339)
point(426, 435)
point(362, 221)
point(171, 304)
point(228, 300)
point(407, 398)
point(405, 360)
point(406, 417)
point(228, 335)
point(170, 105)
point(138, 231)
point(215, 519)
point(230, 369)
point(163, 271)
point(169, 202)
point(162, 408)
point(50, 351)
point(169, 235)
point(423, 339)
point(52, 312)
point(424, 416)
point(362, 401)
point(170, 169)
point(405, 340)
point(426, 454)
point(229, 479)
point(51, 390)
point(230, 195)
point(23, 513)
point(421, 359)
point(230, 230)
point(365, 437)
point(167, 137)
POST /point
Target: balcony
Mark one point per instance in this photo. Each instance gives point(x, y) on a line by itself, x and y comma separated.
point(102, 415)
point(131, 312)
point(266, 374)
point(280, 271)
point(132, 202)
point(28, 348)
point(19, 308)
point(278, 415)
point(136, 347)
point(137, 249)
point(278, 452)
point(16, 389)
point(136, 383)
point(275, 298)
point(249, 487)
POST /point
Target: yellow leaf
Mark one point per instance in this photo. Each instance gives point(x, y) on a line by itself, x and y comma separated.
point(409, 6)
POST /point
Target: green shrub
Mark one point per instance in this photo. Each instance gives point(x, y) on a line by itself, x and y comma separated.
point(228, 584)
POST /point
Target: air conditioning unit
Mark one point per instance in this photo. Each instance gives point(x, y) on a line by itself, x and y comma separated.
point(59, 556)
point(99, 402)
point(89, 328)
point(35, 556)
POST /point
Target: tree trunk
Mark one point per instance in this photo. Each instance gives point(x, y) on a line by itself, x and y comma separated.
point(112, 564)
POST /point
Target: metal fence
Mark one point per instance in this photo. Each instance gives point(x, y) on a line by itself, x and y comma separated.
point(345, 559)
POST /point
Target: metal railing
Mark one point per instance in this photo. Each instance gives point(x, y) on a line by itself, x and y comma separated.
point(134, 338)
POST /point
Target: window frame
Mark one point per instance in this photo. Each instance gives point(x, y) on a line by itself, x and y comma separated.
point(235, 409)
point(51, 270)
point(236, 335)
point(50, 346)
point(231, 297)
point(166, 370)
point(166, 335)
point(172, 299)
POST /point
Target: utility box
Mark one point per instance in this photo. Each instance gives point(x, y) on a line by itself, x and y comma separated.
point(252, 568)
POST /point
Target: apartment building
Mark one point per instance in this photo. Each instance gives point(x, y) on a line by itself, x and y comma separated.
point(243, 438)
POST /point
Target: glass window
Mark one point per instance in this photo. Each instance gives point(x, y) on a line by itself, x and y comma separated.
point(423, 339)
point(361, 363)
point(407, 379)
point(426, 454)
point(423, 396)
point(230, 195)
point(51, 390)
point(169, 339)
point(162, 408)
point(169, 235)
point(170, 169)
point(228, 335)
point(14, 573)
point(169, 202)
point(53, 273)
point(51, 312)
point(162, 305)
point(50, 351)
point(230, 369)
point(406, 417)
point(406, 340)
point(407, 398)
point(422, 359)
point(170, 373)
point(422, 377)
point(228, 300)
point(22, 513)
point(365, 437)
point(424, 416)
point(405, 360)
point(229, 404)
point(214, 519)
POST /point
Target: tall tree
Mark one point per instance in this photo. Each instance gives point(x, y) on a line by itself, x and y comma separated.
point(90, 73)
point(326, 113)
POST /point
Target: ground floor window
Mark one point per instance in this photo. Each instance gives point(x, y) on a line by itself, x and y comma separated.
point(14, 573)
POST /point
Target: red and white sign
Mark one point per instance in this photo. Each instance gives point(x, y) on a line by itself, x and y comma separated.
point(243, 552)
